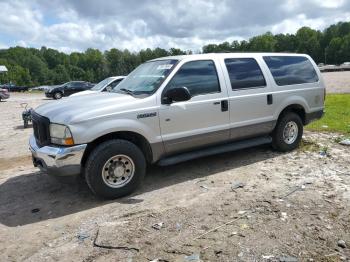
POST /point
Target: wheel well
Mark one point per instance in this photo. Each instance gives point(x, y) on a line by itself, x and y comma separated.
point(133, 137)
point(295, 108)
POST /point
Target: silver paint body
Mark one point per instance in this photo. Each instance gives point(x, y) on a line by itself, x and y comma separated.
point(187, 125)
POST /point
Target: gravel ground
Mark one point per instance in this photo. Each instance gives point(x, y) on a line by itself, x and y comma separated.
point(337, 82)
point(251, 205)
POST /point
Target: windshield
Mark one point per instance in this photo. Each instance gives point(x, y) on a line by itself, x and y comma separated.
point(101, 84)
point(146, 78)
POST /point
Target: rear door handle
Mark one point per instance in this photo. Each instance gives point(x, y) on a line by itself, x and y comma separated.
point(224, 105)
point(217, 103)
point(269, 99)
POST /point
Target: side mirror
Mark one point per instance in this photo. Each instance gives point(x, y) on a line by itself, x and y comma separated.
point(176, 94)
point(109, 89)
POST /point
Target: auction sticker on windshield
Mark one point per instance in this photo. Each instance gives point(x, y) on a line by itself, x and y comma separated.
point(164, 67)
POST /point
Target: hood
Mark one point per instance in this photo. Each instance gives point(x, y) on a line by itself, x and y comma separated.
point(86, 92)
point(50, 88)
point(81, 108)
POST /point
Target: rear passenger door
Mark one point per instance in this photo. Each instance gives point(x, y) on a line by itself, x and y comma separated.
point(204, 119)
point(250, 97)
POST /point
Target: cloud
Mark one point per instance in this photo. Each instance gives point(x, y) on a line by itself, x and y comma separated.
point(70, 25)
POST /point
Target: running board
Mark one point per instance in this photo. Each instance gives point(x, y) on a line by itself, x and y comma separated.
point(215, 150)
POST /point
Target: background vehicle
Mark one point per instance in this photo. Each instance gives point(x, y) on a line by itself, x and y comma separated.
point(11, 87)
point(175, 109)
point(67, 89)
point(4, 94)
point(105, 85)
point(41, 88)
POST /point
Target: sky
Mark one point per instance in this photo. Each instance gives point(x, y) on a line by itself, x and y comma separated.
point(75, 25)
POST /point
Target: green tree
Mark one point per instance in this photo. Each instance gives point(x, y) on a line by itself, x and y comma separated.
point(262, 43)
point(309, 43)
point(285, 43)
point(60, 75)
point(345, 49)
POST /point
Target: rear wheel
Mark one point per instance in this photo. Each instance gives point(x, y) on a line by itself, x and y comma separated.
point(115, 168)
point(288, 132)
point(57, 95)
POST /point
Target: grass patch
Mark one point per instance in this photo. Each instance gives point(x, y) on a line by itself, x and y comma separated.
point(309, 146)
point(337, 116)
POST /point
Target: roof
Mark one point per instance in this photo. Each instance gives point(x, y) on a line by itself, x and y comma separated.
point(3, 68)
point(211, 55)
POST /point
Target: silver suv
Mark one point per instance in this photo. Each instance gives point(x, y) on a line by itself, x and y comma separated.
point(175, 109)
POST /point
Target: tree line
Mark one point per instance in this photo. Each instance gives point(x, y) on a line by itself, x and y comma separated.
point(47, 66)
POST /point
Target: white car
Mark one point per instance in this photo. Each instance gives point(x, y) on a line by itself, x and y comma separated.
point(105, 85)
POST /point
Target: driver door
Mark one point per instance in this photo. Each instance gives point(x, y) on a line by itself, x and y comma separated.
point(68, 89)
point(204, 119)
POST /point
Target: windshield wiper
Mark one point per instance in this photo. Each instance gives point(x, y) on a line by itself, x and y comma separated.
point(129, 92)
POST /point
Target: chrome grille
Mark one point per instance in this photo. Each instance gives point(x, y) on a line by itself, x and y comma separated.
point(41, 129)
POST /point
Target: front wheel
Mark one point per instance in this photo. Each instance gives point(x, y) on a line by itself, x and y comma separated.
point(115, 168)
point(288, 132)
point(57, 95)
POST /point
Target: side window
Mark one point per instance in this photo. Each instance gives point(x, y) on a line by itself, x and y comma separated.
point(291, 70)
point(244, 73)
point(115, 83)
point(200, 77)
point(75, 85)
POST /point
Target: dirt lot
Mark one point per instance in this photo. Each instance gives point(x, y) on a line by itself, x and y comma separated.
point(251, 205)
point(337, 82)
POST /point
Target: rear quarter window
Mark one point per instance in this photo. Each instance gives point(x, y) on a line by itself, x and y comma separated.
point(291, 70)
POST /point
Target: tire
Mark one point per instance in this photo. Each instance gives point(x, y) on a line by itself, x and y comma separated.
point(106, 169)
point(57, 95)
point(288, 132)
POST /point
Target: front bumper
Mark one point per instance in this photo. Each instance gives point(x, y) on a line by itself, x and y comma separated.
point(55, 160)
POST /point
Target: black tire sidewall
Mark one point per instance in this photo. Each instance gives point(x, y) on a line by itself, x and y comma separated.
point(100, 155)
point(278, 142)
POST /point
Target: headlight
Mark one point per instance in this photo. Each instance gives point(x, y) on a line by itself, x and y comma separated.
point(61, 135)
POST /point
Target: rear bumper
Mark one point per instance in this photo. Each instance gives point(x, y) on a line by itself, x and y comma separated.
point(55, 160)
point(309, 117)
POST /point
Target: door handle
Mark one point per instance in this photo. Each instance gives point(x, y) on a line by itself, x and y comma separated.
point(224, 105)
point(269, 99)
point(216, 103)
